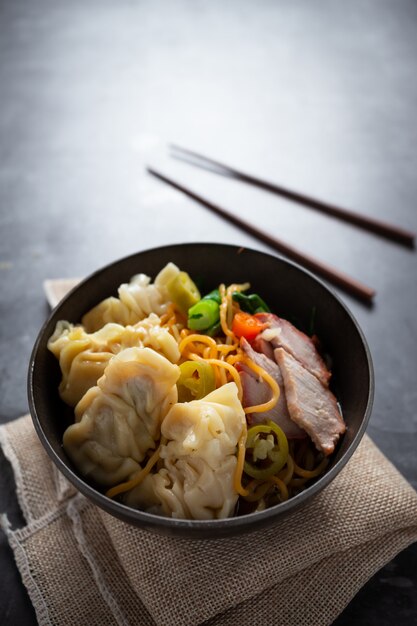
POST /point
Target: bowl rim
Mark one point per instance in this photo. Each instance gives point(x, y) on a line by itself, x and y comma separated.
point(217, 527)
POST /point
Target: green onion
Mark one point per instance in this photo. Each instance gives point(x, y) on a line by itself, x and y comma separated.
point(203, 315)
point(250, 303)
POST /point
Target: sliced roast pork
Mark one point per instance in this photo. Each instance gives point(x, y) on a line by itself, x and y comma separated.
point(282, 334)
point(310, 404)
point(256, 391)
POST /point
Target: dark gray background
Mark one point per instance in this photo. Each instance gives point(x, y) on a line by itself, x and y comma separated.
point(319, 96)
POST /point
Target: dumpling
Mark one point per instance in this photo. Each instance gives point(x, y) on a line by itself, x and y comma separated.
point(83, 356)
point(199, 459)
point(119, 420)
point(137, 299)
point(150, 334)
point(82, 359)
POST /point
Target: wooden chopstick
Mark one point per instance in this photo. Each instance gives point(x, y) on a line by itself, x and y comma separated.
point(384, 229)
point(350, 285)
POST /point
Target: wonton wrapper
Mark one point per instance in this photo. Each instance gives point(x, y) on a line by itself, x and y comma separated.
point(137, 299)
point(199, 459)
point(119, 420)
point(84, 356)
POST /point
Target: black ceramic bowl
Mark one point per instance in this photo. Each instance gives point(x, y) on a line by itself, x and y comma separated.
point(291, 292)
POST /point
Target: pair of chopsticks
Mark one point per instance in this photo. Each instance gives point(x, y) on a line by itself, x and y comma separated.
point(336, 277)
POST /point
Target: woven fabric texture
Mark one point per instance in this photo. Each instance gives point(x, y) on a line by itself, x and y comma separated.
point(80, 565)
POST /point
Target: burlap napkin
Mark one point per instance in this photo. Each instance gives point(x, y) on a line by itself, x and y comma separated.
point(81, 566)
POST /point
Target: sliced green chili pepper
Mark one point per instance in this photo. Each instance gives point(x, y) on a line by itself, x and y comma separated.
point(183, 291)
point(266, 450)
point(203, 315)
point(196, 380)
point(250, 303)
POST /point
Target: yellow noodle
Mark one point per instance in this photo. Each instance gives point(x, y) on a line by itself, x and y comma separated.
point(225, 349)
point(287, 473)
point(175, 332)
point(169, 317)
point(219, 375)
point(173, 320)
point(230, 336)
point(222, 376)
point(229, 308)
point(266, 406)
point(134, 482)
point(281, 486)
point(304, 473)
point(189, 356)
point(234, 358)
point(194, 337)
point(252, 484)
point(192, 352)
point(237, 287)
point(232, 371)
point(232, 307)
point(207, 352)
point(241, 451)
point(260, 490)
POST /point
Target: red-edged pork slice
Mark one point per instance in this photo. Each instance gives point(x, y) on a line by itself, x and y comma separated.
point(263, 346)
point(256, 391)
point(282, 334)
point(311, 405)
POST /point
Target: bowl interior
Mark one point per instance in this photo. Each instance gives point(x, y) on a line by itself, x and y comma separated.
point(291, 293)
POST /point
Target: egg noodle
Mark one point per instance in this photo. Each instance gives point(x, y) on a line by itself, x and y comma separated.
point(222, 353)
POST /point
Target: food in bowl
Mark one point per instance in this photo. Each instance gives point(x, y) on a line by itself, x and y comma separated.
point(195, 406)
